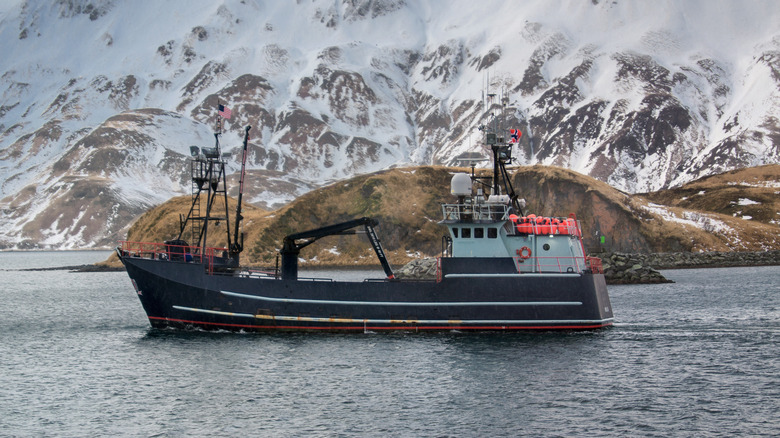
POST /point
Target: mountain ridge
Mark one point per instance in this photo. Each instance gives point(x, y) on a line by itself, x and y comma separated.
point(641, 96)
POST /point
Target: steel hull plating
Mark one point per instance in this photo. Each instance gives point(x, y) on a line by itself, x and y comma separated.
point(182, 295)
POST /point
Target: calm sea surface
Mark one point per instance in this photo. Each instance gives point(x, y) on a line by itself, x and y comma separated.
point(700, 357)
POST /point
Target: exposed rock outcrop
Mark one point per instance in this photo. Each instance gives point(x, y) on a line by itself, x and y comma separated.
point(629, 269)
point(709, 259)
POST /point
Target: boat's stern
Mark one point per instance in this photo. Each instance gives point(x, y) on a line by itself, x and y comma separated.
point(602, 299)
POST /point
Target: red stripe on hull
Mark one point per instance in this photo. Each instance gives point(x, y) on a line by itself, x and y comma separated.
point(399, 327)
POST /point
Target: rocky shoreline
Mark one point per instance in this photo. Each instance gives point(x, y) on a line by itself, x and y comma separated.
point(712, 259)
point(623, 268)
point(629, 269)
point(636, 268)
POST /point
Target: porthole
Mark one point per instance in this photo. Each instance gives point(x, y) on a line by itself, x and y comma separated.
point(546, 247)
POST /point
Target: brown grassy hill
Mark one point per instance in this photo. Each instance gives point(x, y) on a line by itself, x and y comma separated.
point(161, 223)
point(602, 209)
point(406, 202)
point(651, 222)
point(752, 193)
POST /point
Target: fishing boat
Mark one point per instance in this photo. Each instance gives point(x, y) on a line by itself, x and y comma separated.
point(500, 267)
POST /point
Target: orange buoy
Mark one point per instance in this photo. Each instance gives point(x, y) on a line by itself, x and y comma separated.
point(524, 252)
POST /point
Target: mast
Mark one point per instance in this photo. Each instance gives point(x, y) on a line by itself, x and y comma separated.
point(237, 247)
point(207, 168)
point(496, 138)
point(215, 186)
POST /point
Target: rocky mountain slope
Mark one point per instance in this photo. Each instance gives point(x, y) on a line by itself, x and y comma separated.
point(406, 202)
point(101, 99)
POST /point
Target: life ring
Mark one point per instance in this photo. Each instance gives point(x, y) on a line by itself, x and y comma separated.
point(524, 252)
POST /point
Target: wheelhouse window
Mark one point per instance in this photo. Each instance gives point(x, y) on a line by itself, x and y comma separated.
point(455, 232)
point(479, 233)
point(492, 233)
point(466, 233)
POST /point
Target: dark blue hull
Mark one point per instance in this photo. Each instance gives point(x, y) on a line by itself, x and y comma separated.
point(490, 296)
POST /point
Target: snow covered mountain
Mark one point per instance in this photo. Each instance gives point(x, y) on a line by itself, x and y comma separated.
point(101, 99)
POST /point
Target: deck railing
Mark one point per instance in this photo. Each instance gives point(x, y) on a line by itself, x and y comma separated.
point(595, 265)
point(479, 212)
point(546, 225)
point(551, 265)
point(165, 251)
point(491, 212)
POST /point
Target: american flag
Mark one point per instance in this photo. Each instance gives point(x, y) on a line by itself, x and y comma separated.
point(515, 135)
point(224, 111)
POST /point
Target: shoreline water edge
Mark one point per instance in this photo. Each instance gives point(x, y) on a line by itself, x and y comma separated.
point(619, 268)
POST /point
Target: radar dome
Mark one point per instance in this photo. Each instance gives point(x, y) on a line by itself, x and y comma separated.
point(460, 184)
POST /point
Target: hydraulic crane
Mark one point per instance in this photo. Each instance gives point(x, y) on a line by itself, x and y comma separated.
point(291, 248)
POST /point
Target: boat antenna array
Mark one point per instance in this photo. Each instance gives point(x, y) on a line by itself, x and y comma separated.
point(495, 137)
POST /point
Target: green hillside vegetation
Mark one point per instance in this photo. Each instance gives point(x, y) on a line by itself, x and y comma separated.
point(406, 202)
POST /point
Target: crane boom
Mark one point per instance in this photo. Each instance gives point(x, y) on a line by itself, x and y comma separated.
point(237, 246)
point(291, 247)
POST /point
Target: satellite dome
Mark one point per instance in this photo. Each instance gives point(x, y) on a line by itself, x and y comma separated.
point(460, 184)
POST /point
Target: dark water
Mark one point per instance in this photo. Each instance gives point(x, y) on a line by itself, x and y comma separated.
point(696, 358)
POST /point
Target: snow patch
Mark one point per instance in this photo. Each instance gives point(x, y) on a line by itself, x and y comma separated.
point(746, 201)
point(693, 219)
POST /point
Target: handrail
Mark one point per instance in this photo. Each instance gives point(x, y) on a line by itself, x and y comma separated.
point(532, 224)
point(163, 251)
point(561, 265)
point(475, 212)
point(546, 225)
point(170, 252)
point(595, 264)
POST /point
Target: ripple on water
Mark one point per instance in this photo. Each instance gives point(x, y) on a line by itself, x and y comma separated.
point(697, 357)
